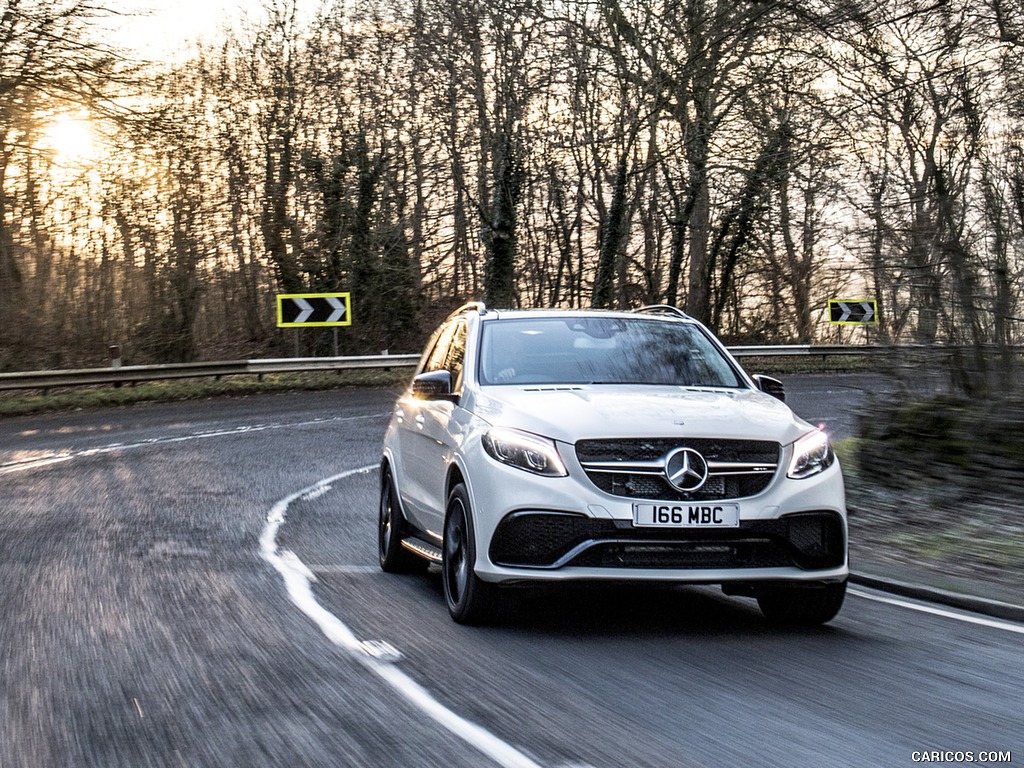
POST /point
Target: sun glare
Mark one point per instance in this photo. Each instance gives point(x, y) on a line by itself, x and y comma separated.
point(70, 138)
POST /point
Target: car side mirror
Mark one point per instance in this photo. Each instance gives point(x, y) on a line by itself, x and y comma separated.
point(435, 385)
point(770, 386)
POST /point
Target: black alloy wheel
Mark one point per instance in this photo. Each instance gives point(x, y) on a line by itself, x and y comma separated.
point(470, 600)
point(393, 557)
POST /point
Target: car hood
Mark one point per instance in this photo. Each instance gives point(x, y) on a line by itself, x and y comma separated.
point(571, 413)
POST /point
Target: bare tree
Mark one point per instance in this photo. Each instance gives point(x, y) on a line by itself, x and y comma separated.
point(49, 60)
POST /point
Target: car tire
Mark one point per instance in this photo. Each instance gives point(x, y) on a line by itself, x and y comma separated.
point(391, 528)
point(800, 605)
point(470, 599)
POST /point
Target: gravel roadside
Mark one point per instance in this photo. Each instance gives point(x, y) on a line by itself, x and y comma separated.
point(943, 537)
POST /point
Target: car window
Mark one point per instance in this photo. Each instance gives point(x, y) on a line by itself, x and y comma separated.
point(449, 352)
point(438, 355)
point(456, 354)
point(602, 350)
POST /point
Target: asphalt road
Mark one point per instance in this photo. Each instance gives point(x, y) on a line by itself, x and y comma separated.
point(195, 585)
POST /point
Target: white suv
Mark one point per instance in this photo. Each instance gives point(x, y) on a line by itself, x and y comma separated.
point(554, 446)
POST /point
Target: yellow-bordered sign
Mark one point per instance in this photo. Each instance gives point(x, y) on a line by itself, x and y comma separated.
point(853, 311)
point(307, 310)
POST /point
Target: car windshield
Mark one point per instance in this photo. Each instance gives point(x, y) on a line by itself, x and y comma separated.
point(601, 350)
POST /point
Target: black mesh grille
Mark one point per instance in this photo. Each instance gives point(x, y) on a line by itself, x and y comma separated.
point(753, 553)
point(809, 540)
point(540, 539)
point(636, 485)
point(640, 449)
point(815, 535)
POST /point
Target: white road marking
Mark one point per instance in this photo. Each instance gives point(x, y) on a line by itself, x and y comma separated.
point(965, 617)
point(299, 580)
point(33, 463)
point(49, 458)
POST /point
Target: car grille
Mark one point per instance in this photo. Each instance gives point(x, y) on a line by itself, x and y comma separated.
point(635, 468)
point(550, 540)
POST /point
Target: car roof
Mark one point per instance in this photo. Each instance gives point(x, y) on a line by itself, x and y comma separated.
point(665, 312)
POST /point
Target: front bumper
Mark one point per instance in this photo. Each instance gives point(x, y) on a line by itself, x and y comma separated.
point(804, 540)
point(534, 529)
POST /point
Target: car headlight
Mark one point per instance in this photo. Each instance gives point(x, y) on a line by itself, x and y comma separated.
point(524, 451)
point(812, 454)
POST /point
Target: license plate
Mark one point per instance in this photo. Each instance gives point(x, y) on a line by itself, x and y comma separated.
point(682, 515)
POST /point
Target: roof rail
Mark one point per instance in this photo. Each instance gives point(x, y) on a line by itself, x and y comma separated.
point(663, 309)
point(477, 306)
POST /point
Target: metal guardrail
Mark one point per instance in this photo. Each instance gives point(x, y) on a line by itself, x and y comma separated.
point(294, 364)
point(130, 374)
point(805, 350)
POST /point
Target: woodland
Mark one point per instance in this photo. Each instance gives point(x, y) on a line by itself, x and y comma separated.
point(745, 160)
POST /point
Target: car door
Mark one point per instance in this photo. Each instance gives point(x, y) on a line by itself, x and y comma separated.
point(425, 434)
point(441, 427)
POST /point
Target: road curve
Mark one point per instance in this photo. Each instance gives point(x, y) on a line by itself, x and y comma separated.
point(147, 623)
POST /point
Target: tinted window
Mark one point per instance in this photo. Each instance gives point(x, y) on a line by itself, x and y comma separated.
point(439, 354)
point(448, 352)
point(456, 355)
point(602, 350)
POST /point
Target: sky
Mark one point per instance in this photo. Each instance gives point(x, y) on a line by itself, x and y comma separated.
point(172, 24)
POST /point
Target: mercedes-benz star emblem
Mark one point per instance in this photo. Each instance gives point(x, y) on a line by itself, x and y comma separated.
point(686, 470)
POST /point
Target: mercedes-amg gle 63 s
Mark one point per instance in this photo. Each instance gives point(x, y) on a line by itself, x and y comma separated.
point(549, 446)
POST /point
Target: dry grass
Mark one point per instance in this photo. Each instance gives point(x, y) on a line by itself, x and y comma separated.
point(22, 403)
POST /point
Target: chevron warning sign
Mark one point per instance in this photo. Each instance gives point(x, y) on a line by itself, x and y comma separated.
point(853, 311)
point(304, 310)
